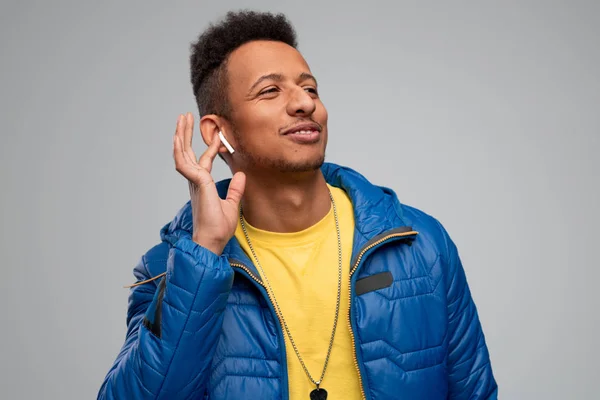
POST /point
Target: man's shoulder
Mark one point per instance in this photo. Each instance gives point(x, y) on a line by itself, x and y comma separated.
point(430, 229)
point(381, 204)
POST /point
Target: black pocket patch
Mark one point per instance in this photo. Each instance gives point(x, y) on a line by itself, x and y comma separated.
point(373, 282)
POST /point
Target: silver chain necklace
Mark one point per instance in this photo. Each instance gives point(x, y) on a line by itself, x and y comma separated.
point(319, 393)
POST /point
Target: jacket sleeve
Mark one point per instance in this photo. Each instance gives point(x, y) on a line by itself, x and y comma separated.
point(469, 368)
point(172, 328)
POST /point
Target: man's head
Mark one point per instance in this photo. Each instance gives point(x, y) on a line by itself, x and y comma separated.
point(252, 84)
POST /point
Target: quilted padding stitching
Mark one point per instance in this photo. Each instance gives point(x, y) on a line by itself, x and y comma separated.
point(195, 312)
point(459, 313)
point(401, 298)
point(429, 274)
point(241, 376)
point(213, 315)
point(473, 373)
point(411, 278)
point(148, 364)
point(233, 303)
point(402, 369)
point(403, 353)
point(481, 345)
point(175, 308)
point(460, 297)
point(141, 382)
point(243, 358)
point(183, 389)
point(179, 287)
point(432, 292)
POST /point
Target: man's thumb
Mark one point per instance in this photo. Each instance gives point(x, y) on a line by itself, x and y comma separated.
point(236, 188)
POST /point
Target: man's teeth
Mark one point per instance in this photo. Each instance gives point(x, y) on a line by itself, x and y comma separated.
point(303, 132)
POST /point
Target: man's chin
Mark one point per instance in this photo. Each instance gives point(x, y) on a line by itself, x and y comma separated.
point(310, 165)
point(284, 165)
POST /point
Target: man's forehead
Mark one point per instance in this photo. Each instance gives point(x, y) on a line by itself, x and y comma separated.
point(252, 60)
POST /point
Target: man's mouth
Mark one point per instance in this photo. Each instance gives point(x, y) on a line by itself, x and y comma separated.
point(304, 137)
point(303, 132)
point(307, 128)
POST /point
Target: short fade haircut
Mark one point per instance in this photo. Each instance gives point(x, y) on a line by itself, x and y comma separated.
point(209, 54)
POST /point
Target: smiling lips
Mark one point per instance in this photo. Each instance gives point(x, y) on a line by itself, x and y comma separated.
point(304, 137)
point(306, 127)
point(304, 133)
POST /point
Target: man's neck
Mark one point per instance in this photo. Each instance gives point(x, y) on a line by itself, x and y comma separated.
point(277, 204)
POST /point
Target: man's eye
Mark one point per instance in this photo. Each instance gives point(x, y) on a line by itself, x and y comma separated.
point(311, 90)
point(271, 90)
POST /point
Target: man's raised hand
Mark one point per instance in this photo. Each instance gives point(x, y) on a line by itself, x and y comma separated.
point(214, 219)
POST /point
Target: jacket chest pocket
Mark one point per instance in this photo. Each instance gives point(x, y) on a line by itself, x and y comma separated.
point(401, 316)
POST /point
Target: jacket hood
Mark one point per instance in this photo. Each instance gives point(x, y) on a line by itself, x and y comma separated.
point(376, 209)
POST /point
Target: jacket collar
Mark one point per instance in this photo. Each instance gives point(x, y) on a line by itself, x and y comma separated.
point(376, 210)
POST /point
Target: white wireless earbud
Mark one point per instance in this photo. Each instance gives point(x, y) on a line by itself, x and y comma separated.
point(226, 143)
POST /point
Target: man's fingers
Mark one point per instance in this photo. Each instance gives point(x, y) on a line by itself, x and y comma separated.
point(206, 159)
point(236, 189)
point(180, 132)
point(188, 136)
point(190, 170)
point(181, 162)
point(188, 129)
point(177, 146)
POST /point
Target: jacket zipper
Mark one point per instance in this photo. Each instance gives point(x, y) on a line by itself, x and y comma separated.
point(354, 268)
point(247, 270)
point(284, 353)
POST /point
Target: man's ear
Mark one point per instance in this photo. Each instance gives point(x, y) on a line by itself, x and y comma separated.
point(210, 126)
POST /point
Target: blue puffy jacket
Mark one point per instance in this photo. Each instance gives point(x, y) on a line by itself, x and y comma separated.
point(205, 328)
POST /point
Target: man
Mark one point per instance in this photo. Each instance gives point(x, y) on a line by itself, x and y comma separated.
point(297, 278)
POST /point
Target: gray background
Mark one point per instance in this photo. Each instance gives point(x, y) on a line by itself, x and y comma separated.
point(483, 114)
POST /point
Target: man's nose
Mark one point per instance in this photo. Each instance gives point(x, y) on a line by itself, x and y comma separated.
point(301, 103)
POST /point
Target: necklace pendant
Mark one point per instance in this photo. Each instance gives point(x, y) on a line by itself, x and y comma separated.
point(318, 394)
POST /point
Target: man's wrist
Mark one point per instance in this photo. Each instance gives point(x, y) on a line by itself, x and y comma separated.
point(209, 244)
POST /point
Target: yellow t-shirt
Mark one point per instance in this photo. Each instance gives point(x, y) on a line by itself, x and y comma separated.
point(302, 268)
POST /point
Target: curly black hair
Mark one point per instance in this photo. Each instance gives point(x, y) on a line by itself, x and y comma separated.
point(209, 54)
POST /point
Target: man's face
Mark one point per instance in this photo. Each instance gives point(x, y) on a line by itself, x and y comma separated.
point(271, 91)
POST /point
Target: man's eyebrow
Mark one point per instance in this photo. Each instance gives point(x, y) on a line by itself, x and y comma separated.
point(279, 77)
point(274, 77)
point(305, 75)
